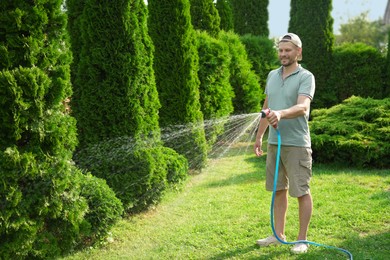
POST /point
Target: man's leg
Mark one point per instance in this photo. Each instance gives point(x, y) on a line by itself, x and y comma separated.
point(280, 210)
point(305, 210)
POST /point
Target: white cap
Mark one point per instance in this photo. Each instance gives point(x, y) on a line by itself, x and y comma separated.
point(293, 38)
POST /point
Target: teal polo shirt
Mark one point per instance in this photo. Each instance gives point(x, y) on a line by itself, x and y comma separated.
point(283, 94)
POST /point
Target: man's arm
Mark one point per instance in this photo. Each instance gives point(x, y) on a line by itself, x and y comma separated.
point(300, 109)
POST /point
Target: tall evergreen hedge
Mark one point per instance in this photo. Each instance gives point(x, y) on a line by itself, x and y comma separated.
point(48, 207)
point(176, 66)
point(226, 14)
point(250, 16)
point(204, 16)
point(353, 75)
point(262, 54)
point(312, 21)
point(245, 82)
point(216, 93)
point(116, 101)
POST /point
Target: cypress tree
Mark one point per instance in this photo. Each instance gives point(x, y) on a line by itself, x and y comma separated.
point(250, 17)
point(243, 79)
point(116, 102)
point(317, 40)
point(176, 66)
point(226, 14)
point(204, 16)
point(46, 202)
point(115, 91)
point(386, 85)
point(216, 93)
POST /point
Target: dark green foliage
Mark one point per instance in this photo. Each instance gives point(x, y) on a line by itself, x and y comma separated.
point(250, 16)
point(114, 89)
point(355, 133)
point(216, 93)
point(43, 212)
point(204, 16)
point(138, 174)
point(312, 21)
point(104, 208)
point(262, 54)
point(226, 14)
point(176, 66)
point(386, 73)
point(353, 75)
point(245, 82)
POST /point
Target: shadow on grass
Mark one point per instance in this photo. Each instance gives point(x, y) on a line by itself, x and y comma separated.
point(370, 247)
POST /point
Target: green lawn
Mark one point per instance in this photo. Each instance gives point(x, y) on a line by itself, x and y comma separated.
point(221, 212)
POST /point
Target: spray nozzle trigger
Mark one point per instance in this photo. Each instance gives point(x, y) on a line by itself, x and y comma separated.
point(265, 112)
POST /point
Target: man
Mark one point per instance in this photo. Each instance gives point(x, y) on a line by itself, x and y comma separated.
point(289, 91)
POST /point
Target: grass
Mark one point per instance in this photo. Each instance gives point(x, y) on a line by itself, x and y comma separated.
point(221, 212)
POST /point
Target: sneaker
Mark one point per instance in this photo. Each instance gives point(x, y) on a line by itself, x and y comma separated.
point(300, 248)
point(271, 240)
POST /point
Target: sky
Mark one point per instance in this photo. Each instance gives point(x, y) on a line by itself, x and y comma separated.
point(343, 10)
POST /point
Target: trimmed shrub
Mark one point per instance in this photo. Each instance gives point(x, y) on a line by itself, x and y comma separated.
point(104, 208)
point(356, 132)
point(262, 54)
point(114, 89)
point(43, 213)
point(176, 68)
point(137, 174)
point(216, 93)
point(245, 82)
point(353, 75)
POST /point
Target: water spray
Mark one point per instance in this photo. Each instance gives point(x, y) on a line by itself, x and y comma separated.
point(265, 113)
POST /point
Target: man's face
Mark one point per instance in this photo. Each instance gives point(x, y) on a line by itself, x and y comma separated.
point(288, 53)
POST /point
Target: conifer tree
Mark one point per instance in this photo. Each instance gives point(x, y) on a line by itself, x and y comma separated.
point(116, 102)
point(250, 17)
point(204, 16)
point(176, 66)
point(115, 91)
point(47, 204)
point(317, 40)
point(226, 14)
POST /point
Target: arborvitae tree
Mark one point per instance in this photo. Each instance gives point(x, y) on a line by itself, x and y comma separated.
point(226, 14)
point(116, 101)
point(204, 16)
point(317, 40)
point(245, 82)
point(216, 93)
point(386, 85)
point(115, 91)
point(250, 16)
point(48, 206)
point(176, 66)
point(262, 54)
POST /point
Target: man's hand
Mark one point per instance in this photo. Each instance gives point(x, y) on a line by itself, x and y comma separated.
point(274, 117)
point(257, 147)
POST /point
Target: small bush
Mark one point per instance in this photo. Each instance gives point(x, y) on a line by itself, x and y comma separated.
point(104, 208)
point(136, 173)
point(356, 132)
